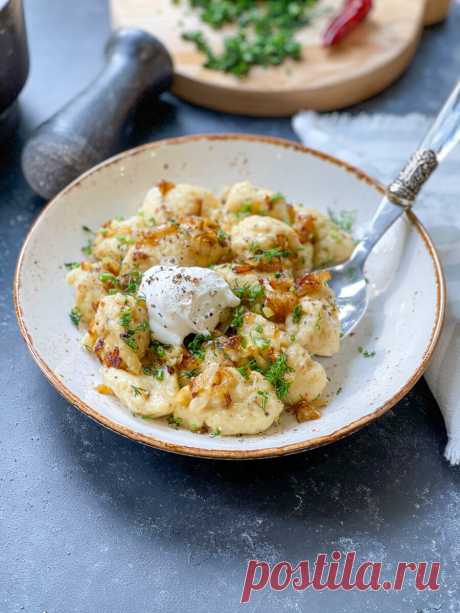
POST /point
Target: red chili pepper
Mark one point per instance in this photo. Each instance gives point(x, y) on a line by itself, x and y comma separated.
point(353, 12)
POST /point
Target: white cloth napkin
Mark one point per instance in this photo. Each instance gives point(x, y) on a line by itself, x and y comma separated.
point(381, 144)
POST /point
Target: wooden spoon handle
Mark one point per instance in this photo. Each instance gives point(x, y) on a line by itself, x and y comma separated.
point(88, 129)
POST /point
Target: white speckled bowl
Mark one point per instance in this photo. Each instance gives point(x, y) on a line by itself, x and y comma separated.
point(402, 325)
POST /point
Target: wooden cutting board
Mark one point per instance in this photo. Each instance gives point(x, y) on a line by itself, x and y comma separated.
point(365, 63)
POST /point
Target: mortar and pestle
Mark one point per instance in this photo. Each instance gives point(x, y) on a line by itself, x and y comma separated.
point(14, 62)
point(88, 129)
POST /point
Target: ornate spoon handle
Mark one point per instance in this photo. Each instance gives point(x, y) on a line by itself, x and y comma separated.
point(442, 137)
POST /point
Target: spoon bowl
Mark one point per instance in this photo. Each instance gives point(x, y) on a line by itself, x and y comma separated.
point(349, 285)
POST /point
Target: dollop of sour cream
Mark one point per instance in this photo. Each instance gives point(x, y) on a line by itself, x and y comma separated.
point(184, 300)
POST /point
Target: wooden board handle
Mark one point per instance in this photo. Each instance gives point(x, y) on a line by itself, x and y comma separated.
point(87, 130)
point(436, 11)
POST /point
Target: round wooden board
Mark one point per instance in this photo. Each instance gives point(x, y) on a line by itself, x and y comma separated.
point(365, 63)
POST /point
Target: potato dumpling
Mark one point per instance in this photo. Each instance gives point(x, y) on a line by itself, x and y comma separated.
point(120, 333)
point(89, 290)
point(265, 241)
point(145, 395)
point(167, 201)
point(314, 324)
point(262, 338)
point(113, 240)
point(195, 242)
point(226, 403)
point(244, 199)
point(331, 243)
point(268, 293)
point(307, 378)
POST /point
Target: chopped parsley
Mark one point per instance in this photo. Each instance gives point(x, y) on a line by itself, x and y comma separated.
point(276, 373)
point(250, 293)
point(158, 348)
point(194, 372)
point(125, 317)
point(195, 346)
point(244, 371)
point(125, 240)
point(276, 197)
point(238, 317)
point(216, 432)
point(264, 398)
point(344, 219)
point(107, 277)
point(260, 341)
point(159, 374)
point(297, 313)
point(245, 209)
point(142, 327)
point(88, 248)
point(269, 254)
point(75, 316)
point(339, 391)
point(175, 421)
point(132, 281)
point(129, 339)
point(72, 265)
point(366, 354)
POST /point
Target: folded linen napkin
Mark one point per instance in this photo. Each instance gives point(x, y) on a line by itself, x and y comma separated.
point(380, 144)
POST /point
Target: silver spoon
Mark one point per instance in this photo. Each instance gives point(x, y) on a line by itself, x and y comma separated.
point(347, 279)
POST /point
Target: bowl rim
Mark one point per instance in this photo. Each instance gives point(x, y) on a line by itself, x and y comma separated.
point(267, 452)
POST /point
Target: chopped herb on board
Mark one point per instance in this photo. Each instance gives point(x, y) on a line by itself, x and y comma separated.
point(174, 421)
point(264, 32)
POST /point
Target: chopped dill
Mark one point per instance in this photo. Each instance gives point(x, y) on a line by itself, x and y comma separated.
point(297, 313)
point(75, 316)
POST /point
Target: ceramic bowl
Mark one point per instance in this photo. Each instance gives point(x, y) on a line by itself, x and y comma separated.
point(401, 326)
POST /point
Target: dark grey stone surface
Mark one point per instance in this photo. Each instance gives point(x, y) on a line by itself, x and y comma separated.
point(91, 522)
